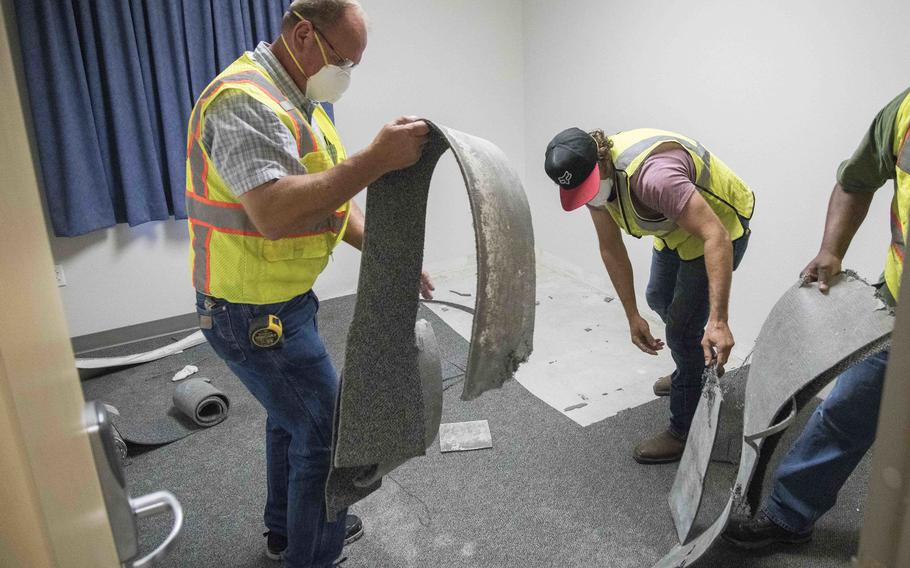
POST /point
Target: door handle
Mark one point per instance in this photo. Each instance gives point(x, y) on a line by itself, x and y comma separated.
point(154, 504)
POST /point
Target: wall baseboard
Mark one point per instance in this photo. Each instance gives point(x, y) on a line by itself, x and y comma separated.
point(134, 333)
point(189, 322)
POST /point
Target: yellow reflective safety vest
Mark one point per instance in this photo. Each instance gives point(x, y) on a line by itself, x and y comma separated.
point(725, 192)
point(900, 205)
point(229, 258)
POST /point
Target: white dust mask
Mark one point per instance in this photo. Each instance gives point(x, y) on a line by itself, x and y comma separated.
point(329, 83)
point(603, 194)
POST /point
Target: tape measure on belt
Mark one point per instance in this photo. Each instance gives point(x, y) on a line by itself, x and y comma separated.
point(266, 331)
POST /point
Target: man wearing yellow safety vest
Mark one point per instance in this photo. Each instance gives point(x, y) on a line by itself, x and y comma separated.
point(269, 188)
point(843, 427)
point(659, 183)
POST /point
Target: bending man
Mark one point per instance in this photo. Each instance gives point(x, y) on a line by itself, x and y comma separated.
point(654, 182)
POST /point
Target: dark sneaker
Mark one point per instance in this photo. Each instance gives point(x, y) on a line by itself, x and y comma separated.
point(353, 529)
point(761, 531)
point(665, 447)
point(662, 386)
point(275, 545)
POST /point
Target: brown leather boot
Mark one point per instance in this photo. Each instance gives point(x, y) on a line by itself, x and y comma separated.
point(662, 386)
point(665, 447)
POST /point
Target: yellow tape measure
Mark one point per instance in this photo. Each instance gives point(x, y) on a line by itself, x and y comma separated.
point(266, 331)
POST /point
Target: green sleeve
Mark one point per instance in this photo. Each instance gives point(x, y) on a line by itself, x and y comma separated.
point(873, 163)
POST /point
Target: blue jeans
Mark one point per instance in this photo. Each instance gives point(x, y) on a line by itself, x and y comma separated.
point(297, 385)
point(836, 438)
point(678, 292)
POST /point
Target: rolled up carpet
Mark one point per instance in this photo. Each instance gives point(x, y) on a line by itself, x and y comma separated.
point(201, 402)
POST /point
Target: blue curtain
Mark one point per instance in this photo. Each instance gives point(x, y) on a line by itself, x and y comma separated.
point(111, 85)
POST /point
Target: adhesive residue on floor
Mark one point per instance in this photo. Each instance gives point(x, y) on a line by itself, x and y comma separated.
point(583, 364)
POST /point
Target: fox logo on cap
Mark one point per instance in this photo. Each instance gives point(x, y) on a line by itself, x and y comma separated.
point(571, 161)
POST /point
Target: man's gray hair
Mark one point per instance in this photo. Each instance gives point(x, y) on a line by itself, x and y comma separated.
point(322, 13)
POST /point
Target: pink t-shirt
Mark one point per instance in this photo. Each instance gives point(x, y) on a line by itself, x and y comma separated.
point(666, 182)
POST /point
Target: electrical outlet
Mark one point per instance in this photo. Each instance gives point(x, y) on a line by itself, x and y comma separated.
point(58, 272)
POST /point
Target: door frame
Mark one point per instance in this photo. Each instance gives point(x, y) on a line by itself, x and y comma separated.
point(53, 509)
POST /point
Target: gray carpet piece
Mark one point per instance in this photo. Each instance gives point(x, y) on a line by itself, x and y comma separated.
point(201, 402)
point(688, 487)
point(806, 341)
point(144, 397)
point(379, 402)
point(379, 417)
point(729, 439)
point(431, 379)
point(347, 486)
point(503, 331)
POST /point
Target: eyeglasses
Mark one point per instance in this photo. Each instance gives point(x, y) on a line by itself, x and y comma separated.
point(343, 62)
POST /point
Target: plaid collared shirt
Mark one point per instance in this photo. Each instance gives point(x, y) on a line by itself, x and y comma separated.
point(247, 142)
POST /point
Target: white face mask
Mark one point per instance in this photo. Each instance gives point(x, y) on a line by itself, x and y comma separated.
point(603, 194)
point(329, 83)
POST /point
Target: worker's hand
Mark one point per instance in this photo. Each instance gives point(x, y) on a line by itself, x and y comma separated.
point(399, 144)
point(822, 268)
point(717, 343)
point(426, 286)
point(641, 336)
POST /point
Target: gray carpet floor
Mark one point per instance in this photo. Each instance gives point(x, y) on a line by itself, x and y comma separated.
point(549, 493)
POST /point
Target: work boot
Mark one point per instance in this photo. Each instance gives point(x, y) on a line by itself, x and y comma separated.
point(665, 447)
point(662, 386)
point(761, 531)
point(276, 543)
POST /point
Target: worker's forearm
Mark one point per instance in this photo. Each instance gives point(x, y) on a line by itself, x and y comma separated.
point(616, 261)
point(846, 212)
point(303, 201)
point(719, 265)
point(356, 223)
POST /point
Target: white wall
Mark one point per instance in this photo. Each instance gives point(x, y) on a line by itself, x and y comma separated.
point(782, 91)
point(458, 62)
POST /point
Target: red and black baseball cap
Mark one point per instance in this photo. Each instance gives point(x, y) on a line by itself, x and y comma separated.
point(571, 162)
